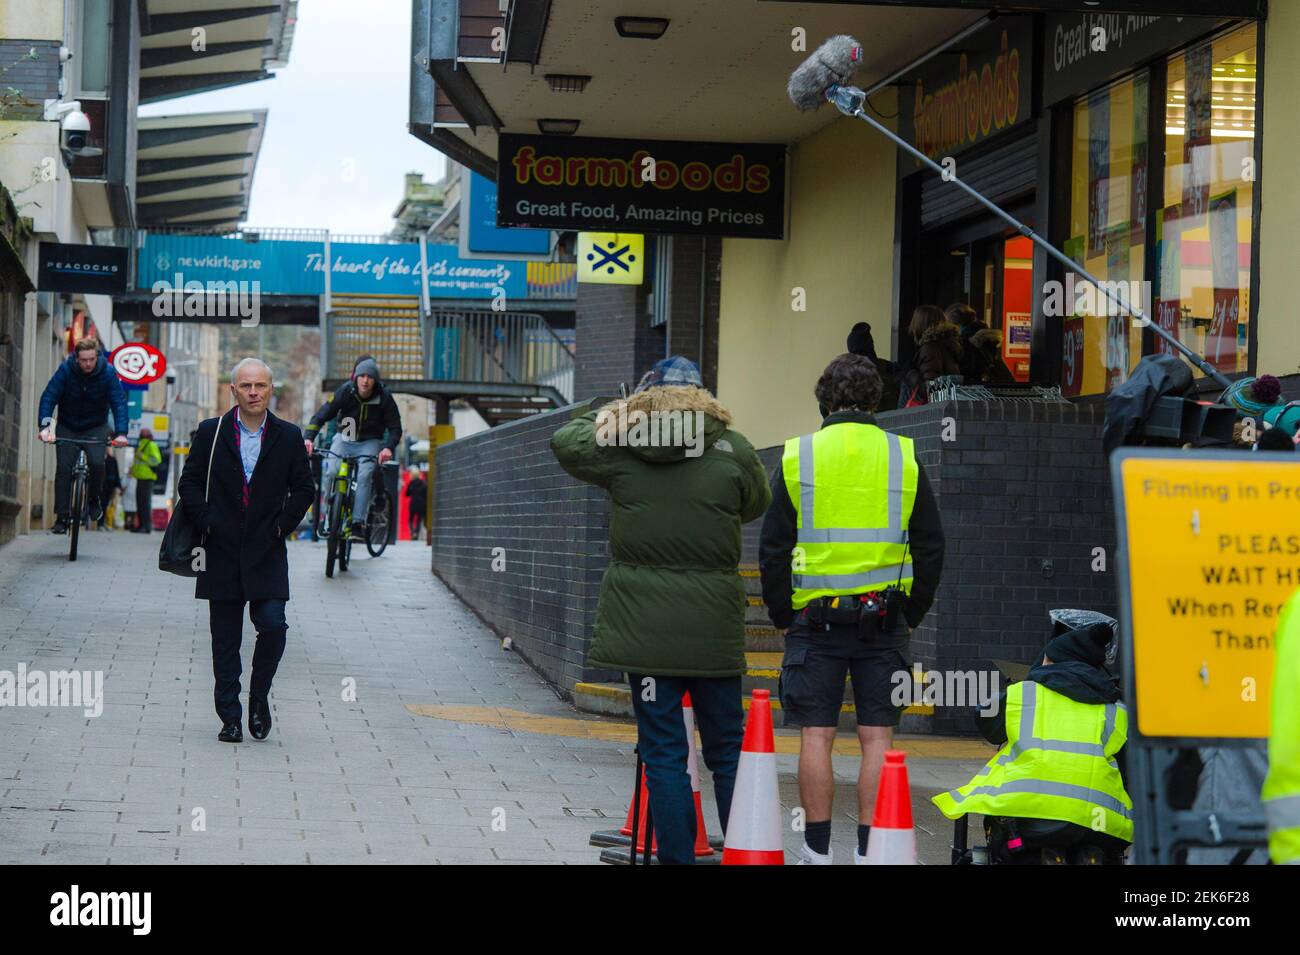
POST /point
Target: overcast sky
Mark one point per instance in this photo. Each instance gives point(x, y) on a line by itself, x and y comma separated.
point(336, 145)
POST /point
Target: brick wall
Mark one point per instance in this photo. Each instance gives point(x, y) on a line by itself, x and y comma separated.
point(690, 254)
point(37, 80)
point(1025, 498)
point(502, 488)
point(1023, 491)
point(615, 342)
point(14, 245)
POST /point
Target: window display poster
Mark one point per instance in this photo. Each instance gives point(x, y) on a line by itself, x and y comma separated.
point(1098, 171)
point(1169, 305)
point(1196, 135)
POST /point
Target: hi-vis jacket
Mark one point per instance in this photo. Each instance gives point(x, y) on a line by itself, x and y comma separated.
point(1058, 763)
point(845, 501)
point(1281, 792)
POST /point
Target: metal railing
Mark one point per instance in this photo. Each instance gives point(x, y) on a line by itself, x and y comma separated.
point(496, 348)
point(477, 346)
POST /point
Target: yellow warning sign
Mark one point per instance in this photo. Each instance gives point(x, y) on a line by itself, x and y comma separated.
point(1213, 552)
point(611, 258)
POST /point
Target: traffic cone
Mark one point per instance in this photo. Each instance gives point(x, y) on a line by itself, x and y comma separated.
point(640, 823)
point(754, 826)
point(892, 840)
point(702, 847)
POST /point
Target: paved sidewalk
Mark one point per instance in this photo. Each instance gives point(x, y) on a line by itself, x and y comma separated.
point(340, 780)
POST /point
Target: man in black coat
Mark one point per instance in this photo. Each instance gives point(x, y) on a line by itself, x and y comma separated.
point(260, 489)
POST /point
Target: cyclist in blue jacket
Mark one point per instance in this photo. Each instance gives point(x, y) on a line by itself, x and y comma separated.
point(83, 389)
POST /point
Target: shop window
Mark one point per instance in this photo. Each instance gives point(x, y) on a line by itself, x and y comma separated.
point(1204, 227)
point(1108, 204)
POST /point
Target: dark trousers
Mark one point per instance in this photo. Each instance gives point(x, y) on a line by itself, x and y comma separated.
point(65, 456)
point(415, 519)
point(144, 504)
point(661, 737)
point(227, 622)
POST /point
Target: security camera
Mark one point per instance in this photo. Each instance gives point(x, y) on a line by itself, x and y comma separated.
point(74, 128)
point(76, 132)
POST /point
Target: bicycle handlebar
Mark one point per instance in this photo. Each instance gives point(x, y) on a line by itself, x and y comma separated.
point(346, 457)
point(81, 441)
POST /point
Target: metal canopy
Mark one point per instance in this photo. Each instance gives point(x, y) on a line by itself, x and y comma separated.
point(196, 170)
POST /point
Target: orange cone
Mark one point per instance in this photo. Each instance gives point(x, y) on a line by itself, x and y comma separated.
point(754, 826)
point(892, 840)
point(702, 847)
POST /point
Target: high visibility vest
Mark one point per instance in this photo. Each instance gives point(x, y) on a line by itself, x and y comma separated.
point(147, 457)
point(1058, 763)
point(853, 487)
point(1281, 792)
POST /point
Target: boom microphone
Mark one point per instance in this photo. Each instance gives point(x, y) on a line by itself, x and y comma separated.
point(832, 63)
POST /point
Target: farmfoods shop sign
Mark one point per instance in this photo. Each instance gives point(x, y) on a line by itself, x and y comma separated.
point(638, 185)
point(965, 99)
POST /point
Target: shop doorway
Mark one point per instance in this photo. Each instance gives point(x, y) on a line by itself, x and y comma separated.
point(991, 273)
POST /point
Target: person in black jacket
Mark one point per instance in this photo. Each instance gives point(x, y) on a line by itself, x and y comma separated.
point(260, 489)
point(830, 554)
point(981, 348)
point(112, 484)
point(83, 389)
point(368, 424)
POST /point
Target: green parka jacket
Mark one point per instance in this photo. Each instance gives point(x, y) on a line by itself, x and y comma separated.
point(672, 602)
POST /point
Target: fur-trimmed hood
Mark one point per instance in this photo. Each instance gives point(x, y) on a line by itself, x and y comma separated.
point(944, 333)
point(987, 338)
point(652, 405)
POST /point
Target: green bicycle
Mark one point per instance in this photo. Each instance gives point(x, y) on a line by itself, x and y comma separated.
point(337, 524)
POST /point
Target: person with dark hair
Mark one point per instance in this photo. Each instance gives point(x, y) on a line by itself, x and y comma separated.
point(1275, 439)
point(861, 343)
point(981, 355)
point(938, 353)
point(1063, 723)
point(850, 557)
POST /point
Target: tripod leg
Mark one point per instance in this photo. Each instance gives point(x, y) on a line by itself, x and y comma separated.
point(636, 807)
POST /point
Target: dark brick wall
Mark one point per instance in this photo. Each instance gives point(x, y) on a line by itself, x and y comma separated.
point(1025, 497)
point(615, 342)
point(37, 80)
point(691, 254)
point(14, 282)
point(503, 488)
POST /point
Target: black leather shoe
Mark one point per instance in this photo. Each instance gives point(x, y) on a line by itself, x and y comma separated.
point(232, 732)
point(60, 527)
point(259, 718)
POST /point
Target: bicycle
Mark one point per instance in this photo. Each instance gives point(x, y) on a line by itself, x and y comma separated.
point(337, 523)
point(78, 493)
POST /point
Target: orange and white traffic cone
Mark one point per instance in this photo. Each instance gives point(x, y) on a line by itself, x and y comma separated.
point(702, 847)
point(892, 840)
point(754, 826)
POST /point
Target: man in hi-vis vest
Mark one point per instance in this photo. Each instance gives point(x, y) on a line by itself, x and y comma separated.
point(1282, 787)
point(851, 553)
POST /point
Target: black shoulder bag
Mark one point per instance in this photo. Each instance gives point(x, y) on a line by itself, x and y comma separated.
point(176, 553)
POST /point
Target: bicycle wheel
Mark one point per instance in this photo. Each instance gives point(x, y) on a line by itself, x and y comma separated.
point(345, 531)
point(378, 522)
point(76, 513)
point(332, 535)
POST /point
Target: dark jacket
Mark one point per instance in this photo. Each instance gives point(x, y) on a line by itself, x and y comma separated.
point(84, 400)
point(924, 533)
point(376, 417)
point(245, 555)
point(939, 352)
point(981, 357)
point(418, 491)
point(1077, 680)
point(672, 602)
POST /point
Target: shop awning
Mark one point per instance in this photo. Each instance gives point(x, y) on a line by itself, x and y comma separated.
point(193, 46)
point(196, 171)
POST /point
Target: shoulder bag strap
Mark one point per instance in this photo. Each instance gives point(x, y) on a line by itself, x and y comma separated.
point(211, 454)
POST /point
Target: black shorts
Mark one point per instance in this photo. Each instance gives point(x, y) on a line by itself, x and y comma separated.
point(814, 668)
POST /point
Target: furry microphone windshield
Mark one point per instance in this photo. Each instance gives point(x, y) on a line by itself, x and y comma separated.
point(832, 63)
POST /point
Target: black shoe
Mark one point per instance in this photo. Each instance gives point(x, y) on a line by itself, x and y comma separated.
point(60, 527)
point(97, 513)
point(359, 532)
point(232, 732)
point(259, 718)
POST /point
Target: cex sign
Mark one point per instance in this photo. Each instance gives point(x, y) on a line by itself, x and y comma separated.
point(137, 363)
